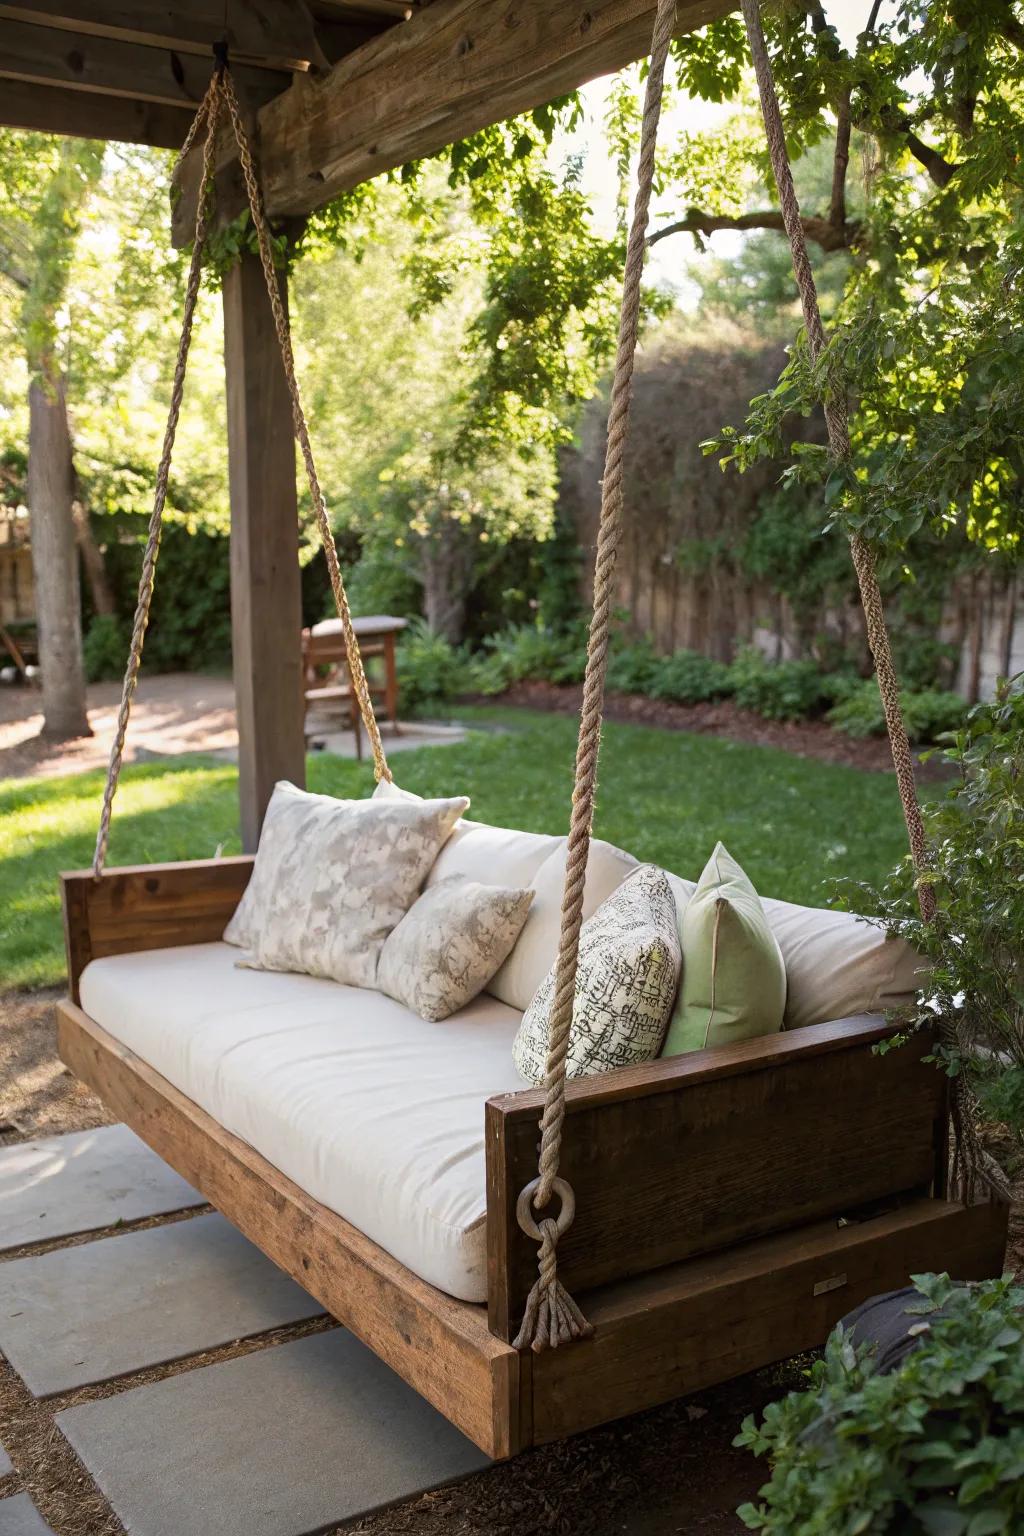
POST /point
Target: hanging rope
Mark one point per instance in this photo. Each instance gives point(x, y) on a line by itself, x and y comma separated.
point(221, 90)
point(970, 1163)
point(353, 654)
point(552, 1317)
point(209, 110)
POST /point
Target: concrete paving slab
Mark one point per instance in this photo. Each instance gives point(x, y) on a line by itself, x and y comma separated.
point(84, 1314)
point(19, 1517)
point(283, 1442)
point(6, 1464)
point(60, 1185)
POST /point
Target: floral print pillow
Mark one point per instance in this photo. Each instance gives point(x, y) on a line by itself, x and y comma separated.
point(449, 945)
point(332, 878)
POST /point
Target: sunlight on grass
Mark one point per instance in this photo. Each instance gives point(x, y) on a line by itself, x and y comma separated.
point(666, 796)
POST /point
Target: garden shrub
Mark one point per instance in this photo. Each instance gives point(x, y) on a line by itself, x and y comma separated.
point(783, 690)
point(690, 678)
point(926, 715)
point(934, 1448)
point(632, 666)
point(525, 652)
point(975, 840)
point(430, 669)
point(105, 648)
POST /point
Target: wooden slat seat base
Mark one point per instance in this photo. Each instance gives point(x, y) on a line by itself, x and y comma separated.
point(674, 1330)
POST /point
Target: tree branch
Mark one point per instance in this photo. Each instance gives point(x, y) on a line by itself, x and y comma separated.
point(840, 163)
point(822, 231)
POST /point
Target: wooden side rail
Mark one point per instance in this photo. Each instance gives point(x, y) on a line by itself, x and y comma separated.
point(148, 906)
point(690, 1154)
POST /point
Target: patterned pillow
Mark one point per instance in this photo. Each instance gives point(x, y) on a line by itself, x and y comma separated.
point(449, 944)
point(626, 983)
point(332, 878)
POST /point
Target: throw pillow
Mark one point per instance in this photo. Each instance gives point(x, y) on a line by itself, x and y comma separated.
point(449, 944)
point(332, 878)
point(734, 979)
point(626, 980)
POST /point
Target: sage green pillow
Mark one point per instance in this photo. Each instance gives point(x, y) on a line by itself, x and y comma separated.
point(734, 979)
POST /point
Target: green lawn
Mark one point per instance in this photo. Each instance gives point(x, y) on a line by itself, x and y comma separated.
point(664, 795)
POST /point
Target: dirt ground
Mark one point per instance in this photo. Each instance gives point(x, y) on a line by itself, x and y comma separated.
point(670, 1472)
point(174, 712)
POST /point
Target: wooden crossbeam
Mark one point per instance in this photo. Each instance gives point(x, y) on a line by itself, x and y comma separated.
point(454, 68)
point(282, 32)
point(80, 61)
point(80, 114)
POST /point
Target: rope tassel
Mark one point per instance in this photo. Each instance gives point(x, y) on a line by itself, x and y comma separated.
point(551, 1317)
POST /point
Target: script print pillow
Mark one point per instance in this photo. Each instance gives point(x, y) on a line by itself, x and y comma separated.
point(332, 878)
point(626, 984)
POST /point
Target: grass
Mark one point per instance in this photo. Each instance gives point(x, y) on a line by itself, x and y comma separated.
point(793, 823)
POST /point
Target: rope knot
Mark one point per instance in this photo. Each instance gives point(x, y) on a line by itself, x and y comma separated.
point(551, 1317)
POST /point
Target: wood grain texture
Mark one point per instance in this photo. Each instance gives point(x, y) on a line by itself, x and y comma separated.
point(80, 61)
point(47, 109)
point(148, 906)
point(278, 32)
point(708, 1320)
point(712, 1149)
point(440, 1346)
point(454, 68)
point(266, 594)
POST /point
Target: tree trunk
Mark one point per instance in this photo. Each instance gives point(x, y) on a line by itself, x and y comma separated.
point(92, 560)
point(55, 558)
point(444, 566)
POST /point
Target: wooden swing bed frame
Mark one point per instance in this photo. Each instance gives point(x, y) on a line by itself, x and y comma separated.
point(732, 1205)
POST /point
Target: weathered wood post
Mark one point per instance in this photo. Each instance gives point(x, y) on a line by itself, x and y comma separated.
point(266, 612)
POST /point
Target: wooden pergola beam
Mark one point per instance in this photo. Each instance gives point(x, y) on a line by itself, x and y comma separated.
point(454, 68)
point(281, 32)
point(50, 109)
point(80, 61)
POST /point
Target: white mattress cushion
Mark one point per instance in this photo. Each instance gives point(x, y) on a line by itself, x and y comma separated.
point(536, 949)
point(371, 1110)
point(839, 964)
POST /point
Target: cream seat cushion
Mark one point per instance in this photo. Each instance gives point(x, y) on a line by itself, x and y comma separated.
point(372, 1111)
point(839, 964)
point(502, 856)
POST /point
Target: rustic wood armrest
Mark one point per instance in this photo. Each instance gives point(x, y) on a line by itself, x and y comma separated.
point(148, 906)
point(689, 1154)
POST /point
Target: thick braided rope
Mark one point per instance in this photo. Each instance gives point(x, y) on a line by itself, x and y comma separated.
point(209, 110)
point(551, 1316)
point(355, 660)
point(971, 1165)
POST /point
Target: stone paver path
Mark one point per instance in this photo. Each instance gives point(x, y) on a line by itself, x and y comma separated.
point(279, 1443)
point(19, 1517)
point(85, 1314)
point(61, 1185)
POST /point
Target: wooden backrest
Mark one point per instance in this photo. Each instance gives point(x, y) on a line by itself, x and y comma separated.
point(148, 906)
point(694, 1153)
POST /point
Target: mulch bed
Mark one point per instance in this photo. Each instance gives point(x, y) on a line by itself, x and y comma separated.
point(722, 717)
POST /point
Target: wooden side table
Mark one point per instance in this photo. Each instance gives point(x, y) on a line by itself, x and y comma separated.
point(377, 634)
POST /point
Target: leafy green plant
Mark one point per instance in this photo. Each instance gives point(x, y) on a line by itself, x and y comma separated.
point(430, 669)
point(976, 869)
point(632, 667)
point(690, 678)
point(934, 1448)
point(927, 714)
point(784, 690)
point(105, 648)
point(525, 652)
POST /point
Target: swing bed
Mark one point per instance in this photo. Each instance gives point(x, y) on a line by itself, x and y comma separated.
point(669, 1225)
